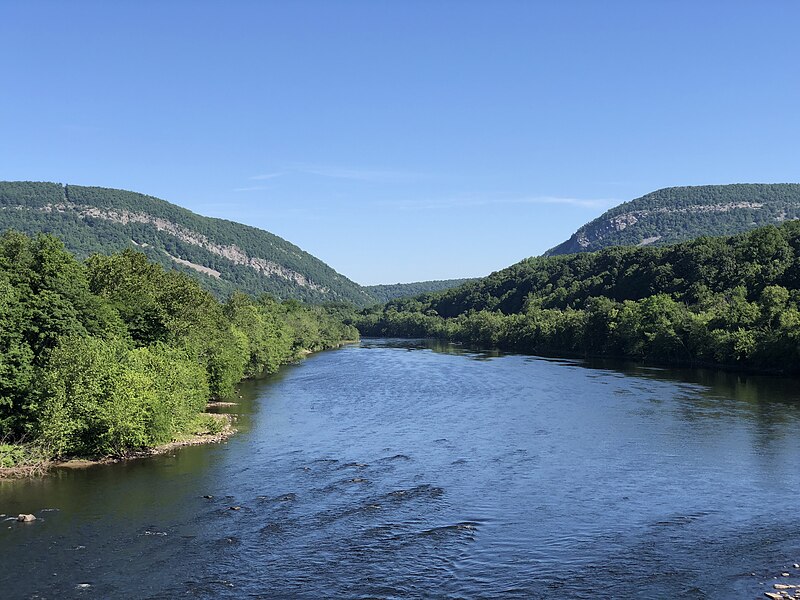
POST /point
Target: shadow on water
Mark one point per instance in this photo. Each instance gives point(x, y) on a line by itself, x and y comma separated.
point(436, 346)
point(717, 384)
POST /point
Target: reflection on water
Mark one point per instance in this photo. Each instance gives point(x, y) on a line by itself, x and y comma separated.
point(405, 469)
point(437, 346)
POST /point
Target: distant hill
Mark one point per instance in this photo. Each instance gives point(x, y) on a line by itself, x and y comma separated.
point(679, 214)
point(386, 292)
point(221, 254)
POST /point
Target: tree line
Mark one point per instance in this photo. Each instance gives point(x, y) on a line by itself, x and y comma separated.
point(732, 301)
point(116, 353)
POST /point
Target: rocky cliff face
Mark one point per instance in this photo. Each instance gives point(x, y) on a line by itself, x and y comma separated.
point(223, 255)
point(594, 233)
point(230, 252)
point(679, 214)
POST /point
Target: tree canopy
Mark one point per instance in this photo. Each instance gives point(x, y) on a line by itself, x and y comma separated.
point(222, 255)
point(117, 353)
point(714, 300)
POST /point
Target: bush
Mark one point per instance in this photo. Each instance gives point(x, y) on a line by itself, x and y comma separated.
point(179, 389)
point(11, 455)
point(91, 403)
point(207, 424)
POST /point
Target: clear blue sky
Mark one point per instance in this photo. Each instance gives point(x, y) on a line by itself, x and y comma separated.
point(406, 140)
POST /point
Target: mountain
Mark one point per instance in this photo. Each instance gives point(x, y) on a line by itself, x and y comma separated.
point(678, 214)
point(222, 255)
point(391, 291)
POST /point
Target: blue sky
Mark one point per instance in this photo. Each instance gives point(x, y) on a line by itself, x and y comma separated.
point(401, 141)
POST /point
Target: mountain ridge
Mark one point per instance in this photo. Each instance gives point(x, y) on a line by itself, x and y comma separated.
point(222, 254)
point(676, 214)
point(385, 292)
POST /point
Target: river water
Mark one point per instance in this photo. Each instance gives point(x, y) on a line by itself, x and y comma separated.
point(397, 469)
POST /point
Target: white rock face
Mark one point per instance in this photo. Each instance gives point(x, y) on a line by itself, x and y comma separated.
point(231, 252)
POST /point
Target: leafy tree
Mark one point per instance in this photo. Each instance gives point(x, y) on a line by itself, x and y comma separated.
point(118, 353)
point(728, 301)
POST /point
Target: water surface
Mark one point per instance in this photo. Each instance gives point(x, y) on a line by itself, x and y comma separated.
point(396, 469)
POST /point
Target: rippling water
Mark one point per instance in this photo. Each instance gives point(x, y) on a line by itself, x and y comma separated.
point(396, 469)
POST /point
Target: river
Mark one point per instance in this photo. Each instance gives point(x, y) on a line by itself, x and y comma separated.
point(410, 469)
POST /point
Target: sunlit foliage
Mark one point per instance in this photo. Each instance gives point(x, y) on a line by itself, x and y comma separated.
point(724, 300)
point(117, 353)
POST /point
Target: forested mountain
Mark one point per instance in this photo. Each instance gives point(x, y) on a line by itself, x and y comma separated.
point(222, 255)
point(679, 214)
point(391, 291)
point(714, 300)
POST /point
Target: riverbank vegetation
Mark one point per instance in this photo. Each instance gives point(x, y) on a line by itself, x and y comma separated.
point(117, 354)
point(732, 301)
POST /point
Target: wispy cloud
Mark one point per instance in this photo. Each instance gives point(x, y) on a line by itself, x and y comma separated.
point(252, 188)
point(264, 176)
point(359, 174)
point(342, 172)
point(584, 202)
point(591, 203)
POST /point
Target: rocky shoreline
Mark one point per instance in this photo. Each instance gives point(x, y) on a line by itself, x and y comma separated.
point(786, 590)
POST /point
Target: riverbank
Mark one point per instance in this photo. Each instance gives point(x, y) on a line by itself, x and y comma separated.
point(30, 460)
point(216, 428)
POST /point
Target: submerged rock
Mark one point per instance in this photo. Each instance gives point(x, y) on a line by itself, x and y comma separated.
point(26, 518)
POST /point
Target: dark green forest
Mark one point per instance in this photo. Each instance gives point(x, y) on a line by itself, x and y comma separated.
point(386, 292)
point(115, 353)
point(679, 214)
point(732, 301)
point(101, 220)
